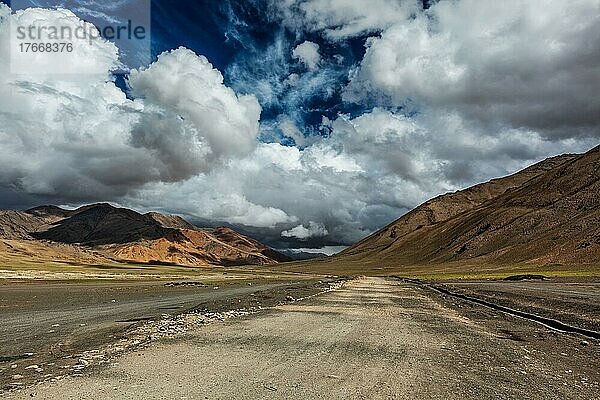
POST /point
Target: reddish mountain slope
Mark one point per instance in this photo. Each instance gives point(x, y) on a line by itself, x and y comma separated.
point(126, 235)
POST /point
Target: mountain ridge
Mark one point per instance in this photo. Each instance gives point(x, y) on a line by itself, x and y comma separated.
point(526, 217)
point(126, 235)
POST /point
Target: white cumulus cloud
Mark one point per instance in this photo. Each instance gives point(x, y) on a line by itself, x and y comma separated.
point(308, 53)
point(301, 232)
point(187, 85)
point(78, 137)
point(340, 19)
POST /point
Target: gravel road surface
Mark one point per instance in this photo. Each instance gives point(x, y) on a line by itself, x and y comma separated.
point(372, 339)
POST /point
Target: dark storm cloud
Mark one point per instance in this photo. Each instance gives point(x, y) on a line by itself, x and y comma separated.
point(506, 65)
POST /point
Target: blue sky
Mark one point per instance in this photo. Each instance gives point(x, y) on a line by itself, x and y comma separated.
point(252, 49)
point(307, 123)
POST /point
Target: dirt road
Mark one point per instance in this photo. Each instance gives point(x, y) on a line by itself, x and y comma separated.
point(373, 339)
point(49, 324)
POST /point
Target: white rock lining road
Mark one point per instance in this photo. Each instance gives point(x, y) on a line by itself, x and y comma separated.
point(372, 339)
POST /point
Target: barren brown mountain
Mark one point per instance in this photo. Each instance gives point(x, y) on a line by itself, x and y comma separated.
point(548, 213)
point(99, 233)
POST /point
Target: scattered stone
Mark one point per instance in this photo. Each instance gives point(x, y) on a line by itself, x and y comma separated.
point(175, 284)
point(525, 277)
point(584, 343)
point(289, 298)
point(32, 367)
point(270, 387)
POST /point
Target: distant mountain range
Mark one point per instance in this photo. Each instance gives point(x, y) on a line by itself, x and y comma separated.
point(548, 213)
point(101, 233)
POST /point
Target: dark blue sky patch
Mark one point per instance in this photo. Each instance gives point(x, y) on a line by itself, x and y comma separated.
point(254, 53)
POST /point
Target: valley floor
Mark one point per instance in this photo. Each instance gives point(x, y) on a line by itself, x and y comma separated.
point(374, 338)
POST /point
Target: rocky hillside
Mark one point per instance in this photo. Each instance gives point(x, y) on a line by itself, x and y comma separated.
point(547, 213)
